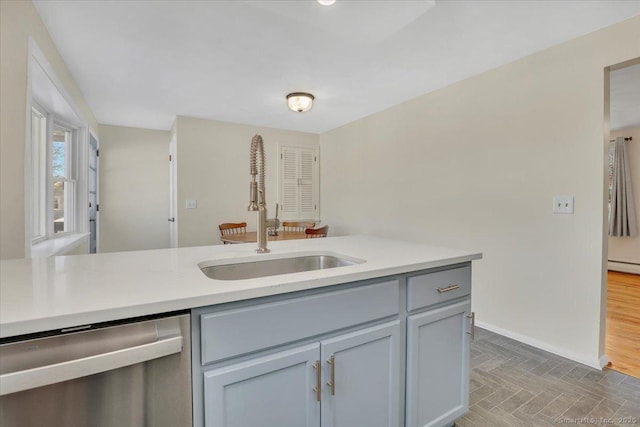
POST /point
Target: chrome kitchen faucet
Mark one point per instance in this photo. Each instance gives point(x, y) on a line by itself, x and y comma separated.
point(256, 191)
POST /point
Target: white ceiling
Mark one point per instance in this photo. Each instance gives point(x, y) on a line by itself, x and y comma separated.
point(141, 63)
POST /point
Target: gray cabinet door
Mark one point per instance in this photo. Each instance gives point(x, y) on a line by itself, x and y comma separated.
point(271, 391)
point(366, 367)
point(438, 366)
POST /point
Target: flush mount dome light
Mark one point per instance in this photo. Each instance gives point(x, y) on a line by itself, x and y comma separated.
point(326, 2)
point(300, 101)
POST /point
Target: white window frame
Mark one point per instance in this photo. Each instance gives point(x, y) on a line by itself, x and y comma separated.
point(44, 152)
point(315, 178)
point(39, 188)
point(73, 121)
point(611, 157)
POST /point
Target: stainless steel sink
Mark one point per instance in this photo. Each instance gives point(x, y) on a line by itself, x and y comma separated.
point(273, 267)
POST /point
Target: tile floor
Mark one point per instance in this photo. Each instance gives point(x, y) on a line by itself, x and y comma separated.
point(513, 384)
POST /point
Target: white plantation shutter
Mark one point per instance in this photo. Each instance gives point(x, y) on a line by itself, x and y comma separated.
point(298, 182)
point(290, 193)
point(306, 184)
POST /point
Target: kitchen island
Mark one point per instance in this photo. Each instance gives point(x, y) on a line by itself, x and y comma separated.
point(295, 330)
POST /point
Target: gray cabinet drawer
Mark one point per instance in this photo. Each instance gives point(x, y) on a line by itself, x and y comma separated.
point(432, 288)
point(244, 330)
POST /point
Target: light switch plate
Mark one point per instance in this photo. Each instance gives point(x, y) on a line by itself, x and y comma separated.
point(563, 204)
point(192, 204)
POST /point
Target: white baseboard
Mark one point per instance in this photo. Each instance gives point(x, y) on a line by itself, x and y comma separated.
point(624, 267)
point(604, 361)
point(595, 363)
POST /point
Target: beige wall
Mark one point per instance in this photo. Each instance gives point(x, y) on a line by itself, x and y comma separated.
point(81, 249)
point(627, 249)
point(18, 21)
point(476, 165)
point(134, 189)
point(213, 168)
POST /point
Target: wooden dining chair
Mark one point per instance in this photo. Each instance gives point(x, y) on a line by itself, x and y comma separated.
point(230, 228)
point(297, 225)
point(316, 232)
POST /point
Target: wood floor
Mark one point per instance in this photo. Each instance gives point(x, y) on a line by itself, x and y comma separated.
point(513, 384)
point(623, 322)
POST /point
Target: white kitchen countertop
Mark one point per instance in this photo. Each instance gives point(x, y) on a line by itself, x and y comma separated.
point(51, 293)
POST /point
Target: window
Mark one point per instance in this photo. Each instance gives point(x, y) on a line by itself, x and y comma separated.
point(56, 163)
point(62, 179)
point(53, 150)
point(612, 152)
point(298, 188)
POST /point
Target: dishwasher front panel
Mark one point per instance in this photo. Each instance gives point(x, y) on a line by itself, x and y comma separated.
point(136, 374)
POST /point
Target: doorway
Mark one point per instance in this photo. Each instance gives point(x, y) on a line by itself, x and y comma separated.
point(622, 331)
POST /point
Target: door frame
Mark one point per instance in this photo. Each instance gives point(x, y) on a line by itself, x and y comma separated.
point(92, 134)
point(173, 192)
point(602, 341)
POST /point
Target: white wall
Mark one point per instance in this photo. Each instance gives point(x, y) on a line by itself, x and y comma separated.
point(627, 249)
point(19, 20)
point(134, 189)
point(213, 168)
point(476, 165)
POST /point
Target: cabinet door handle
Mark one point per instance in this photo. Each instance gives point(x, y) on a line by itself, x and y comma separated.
point(318, 388)
point(472, 316)
point(448, 288)
point(332, 383)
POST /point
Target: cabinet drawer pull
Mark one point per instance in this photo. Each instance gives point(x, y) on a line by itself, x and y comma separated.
point(472, 316)
point(318, 388)
point(448, 288)
point(332, 383)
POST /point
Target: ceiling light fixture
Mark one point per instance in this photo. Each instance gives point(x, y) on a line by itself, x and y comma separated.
point(300, 101)
point(326, 2)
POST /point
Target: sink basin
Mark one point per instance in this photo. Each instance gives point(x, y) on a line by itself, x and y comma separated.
point(251, 269)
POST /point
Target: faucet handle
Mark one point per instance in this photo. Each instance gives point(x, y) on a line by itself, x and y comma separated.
point(273, 223)
point(253, 196)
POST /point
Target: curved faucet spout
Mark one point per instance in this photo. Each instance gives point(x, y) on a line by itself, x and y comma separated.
point(256, 190)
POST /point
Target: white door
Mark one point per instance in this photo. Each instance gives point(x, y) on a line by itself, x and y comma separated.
point(361, 378)
point(438, 365)
point(173, 202)
point(92, 187)
point(270, 391)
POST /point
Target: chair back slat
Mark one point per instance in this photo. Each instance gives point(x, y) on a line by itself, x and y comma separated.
point(299, 226)
point(231, 228)
point(316, 232)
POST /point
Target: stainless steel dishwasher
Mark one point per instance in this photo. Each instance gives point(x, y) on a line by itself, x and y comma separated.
point(132, 374)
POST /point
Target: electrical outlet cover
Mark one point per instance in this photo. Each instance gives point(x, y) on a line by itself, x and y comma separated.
point(563, 204)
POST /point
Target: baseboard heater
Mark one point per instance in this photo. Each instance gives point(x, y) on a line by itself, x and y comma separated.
point(624, 266)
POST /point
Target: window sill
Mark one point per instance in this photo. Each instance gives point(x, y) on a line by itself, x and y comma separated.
point(58, 246)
